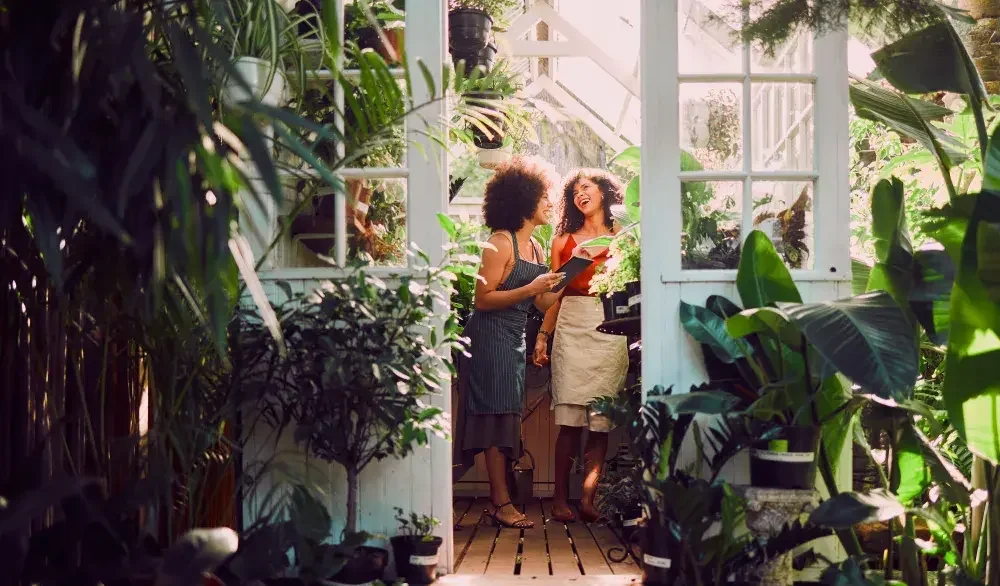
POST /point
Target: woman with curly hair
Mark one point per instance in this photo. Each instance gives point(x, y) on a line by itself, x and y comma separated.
point(512, 277)
point(586, 364)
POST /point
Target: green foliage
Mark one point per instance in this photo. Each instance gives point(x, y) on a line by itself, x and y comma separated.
point(773, 22)
point(415, 525)
point(621, 268)
point(466, 241)
point(497, 9)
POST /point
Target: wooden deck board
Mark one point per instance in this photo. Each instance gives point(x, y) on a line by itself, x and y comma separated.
point(561, 556)
point(606, 540)
point(550, 549)
point(503, 561)
point(480, 546)
point(534, 549)
point(590, 554)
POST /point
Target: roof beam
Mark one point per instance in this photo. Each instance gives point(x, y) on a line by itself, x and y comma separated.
point(575, 109)
point(577, 44)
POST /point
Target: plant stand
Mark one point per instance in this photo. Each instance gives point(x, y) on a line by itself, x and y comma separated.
point(768, 511)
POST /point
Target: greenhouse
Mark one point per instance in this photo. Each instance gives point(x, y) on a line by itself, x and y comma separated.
point(679, 292)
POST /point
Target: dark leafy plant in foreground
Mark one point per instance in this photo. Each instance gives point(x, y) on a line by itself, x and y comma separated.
point(680, 506)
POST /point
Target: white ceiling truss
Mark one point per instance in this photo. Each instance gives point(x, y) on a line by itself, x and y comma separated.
point(573, 44)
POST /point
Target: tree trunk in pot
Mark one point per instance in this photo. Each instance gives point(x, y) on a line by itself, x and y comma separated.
point(352, 502)
point(979, 37)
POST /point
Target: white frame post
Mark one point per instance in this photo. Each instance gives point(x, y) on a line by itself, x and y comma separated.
point(660, 163)
point(427, 162)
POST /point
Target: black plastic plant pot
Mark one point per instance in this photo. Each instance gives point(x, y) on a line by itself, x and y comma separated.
point(482, 141)
point(416, 557)
point(615, 305)
point(786, 461)
point(628, 520)
point(367, 565)
point(634, 292)
point(468, 34)
point(656, 560)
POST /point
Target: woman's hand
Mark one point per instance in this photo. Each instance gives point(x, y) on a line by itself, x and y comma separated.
point(582, 252)
point(541, 354)
point(545, 283)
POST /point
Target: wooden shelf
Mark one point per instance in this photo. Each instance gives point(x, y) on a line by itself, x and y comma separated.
point(626, 326)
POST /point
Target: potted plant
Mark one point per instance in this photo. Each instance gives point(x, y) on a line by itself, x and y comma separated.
point(617, 281)
point(470, 27)
point(355, 379)
point(415, 549)
point(261, 37)
point(759, 355)
point(495, 120)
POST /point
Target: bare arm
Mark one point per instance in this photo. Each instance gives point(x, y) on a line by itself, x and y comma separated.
point(552, 314)
point(491, 275)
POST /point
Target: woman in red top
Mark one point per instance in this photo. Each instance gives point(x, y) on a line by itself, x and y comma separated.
point(586, 364)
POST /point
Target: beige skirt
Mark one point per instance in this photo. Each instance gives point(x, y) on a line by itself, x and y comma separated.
point(586, 364)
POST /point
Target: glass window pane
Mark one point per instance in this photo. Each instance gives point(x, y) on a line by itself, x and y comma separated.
point(711, 214)
point(784, 211)
point(794, 55)
point(781, 126)
point(376, 224)
point(710, 127)
point(708, 37)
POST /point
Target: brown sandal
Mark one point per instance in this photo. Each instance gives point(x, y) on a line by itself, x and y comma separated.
point(522, 523)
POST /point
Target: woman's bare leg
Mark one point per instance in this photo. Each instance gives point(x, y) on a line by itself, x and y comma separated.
point(567, 447)
point(496, 468)
point(594, 454)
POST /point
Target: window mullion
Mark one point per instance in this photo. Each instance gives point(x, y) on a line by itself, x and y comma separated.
point(746, 221)
point(340, 198)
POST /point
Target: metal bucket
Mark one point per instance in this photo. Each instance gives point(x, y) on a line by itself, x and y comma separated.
point(521, 481)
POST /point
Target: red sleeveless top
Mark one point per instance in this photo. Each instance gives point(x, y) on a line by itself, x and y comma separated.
point(580, 286)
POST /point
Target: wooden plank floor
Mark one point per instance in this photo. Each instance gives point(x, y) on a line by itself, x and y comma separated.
point(551, 548)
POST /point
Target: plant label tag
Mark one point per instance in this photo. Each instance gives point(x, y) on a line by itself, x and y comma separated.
point(656, 562)
point(631, 522)
point(423, 560)
point(785, 457)
point(621, 310)
point(635, 300)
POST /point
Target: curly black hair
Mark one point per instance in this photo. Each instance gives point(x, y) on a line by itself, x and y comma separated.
point(513, 193)
point(570, 218)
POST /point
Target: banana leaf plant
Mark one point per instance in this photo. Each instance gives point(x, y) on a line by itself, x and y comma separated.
point(681, 505)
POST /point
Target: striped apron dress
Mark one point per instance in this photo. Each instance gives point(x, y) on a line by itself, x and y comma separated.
point(491, 380)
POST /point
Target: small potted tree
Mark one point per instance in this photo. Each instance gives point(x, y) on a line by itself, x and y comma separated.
point(415, 549)
point(470, 28)
point(358, 371)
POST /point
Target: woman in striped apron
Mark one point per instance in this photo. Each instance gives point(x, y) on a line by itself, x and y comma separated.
point(586, 364)
point(513, 276)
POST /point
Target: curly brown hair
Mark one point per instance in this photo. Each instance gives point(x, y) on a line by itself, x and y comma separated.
point(513, 193)
point(570, 218)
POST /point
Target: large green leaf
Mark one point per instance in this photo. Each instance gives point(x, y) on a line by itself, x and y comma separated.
point(628, 158)
point(860, 274)
point(910, 473)
point(933, 278)
point(934, 59)
point(765, 320)
point(762, 278)
point(893, 270)
point(911, 118)
point(707, 402)
point(709, 329)
point(837, 419)
point(868, 338)
point(971, 389)
point(850, 508)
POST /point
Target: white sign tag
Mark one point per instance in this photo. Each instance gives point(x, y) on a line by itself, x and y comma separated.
point(635, 300)
point(656, 562)
point(423, 560)
point(786, 457)
point(631, 522)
